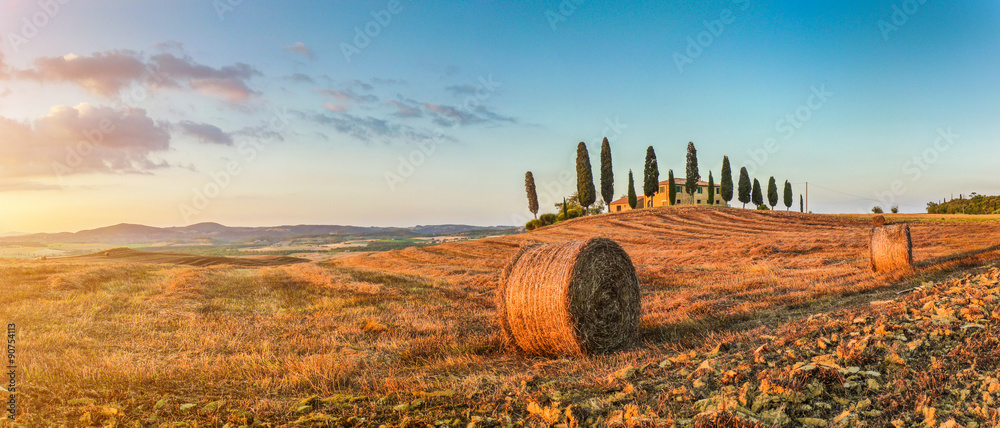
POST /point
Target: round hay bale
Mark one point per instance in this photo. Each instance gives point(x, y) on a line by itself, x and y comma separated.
point(878, 220)
point(574, 298)
point(890, 248)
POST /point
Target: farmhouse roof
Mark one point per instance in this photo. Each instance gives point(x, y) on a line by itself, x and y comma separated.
point(625, 200)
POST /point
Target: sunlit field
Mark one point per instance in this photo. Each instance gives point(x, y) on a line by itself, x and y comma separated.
point(409, 337)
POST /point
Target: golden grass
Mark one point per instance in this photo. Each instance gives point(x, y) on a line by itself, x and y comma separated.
point(413, 332)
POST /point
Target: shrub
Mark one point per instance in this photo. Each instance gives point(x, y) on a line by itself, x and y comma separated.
point(894, 209)
point(763, 207)
point(877, 209)
point(533, 224)
point(547, 219)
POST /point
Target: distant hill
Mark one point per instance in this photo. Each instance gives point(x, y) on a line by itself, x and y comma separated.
point(978, 204)
point(138, 234)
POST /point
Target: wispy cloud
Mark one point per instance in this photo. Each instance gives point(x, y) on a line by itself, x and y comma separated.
point(300, 78)
point(300, 49)
point(461, 90)
point(205, 133)
point(107, 73)
point(370, 129)
point(405, 110)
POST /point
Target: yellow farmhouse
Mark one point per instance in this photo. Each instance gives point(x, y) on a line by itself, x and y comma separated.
point(700, 197)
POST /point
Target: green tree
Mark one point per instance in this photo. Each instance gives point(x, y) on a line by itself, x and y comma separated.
point(607, 175)
point(802, 204)
point(772, 192)
point(529, 186)
point(565, 208)
point(584, 177)
point(671, 188)
point(726, 187)
point(651, 176)
point(744, 189)
point(711, 189)
point(632, 199)
point(756, 196)
point(788, 196)
point(691, 182)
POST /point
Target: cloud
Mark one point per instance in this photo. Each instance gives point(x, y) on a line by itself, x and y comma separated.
point(170, 45)
point(405, 110)
point(300, 78)
point(445, 115)
point(102, 73)
point(359, 84)
point(370, 129)
point(301, 49)
point(82, 139)
point(107, 73)
point(206, 133)
point(20, 186)
point(4, 69)
point(461, 90)
point(335, 108)
point(348, 96)
point(228, 81)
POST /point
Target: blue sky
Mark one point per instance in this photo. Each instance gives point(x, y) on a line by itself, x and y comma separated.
point(252, 114)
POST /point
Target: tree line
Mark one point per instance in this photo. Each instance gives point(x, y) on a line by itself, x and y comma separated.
point(586, 194)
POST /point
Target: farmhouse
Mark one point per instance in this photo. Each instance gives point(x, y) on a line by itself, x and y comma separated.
point(700, 197)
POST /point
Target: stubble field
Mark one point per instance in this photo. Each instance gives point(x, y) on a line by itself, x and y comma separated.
point(409, 337)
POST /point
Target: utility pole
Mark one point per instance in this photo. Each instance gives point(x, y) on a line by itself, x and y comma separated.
point(807, 197)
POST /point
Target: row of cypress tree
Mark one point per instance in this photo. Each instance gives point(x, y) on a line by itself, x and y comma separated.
point(587, 192)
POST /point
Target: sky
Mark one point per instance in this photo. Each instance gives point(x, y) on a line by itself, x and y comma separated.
point(406, 112)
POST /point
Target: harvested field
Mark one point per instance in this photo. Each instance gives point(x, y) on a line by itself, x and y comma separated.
point(134, 256)
point(700, 267)
point(736, 304)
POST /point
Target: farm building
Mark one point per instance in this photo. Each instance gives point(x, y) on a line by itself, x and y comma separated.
point(700, 197)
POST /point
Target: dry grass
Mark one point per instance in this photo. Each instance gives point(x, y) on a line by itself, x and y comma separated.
point(412, 334)
point(576, 298)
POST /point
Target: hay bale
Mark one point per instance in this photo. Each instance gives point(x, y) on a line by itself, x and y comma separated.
point(878, 221)
point(890, 248)
point(575, 298)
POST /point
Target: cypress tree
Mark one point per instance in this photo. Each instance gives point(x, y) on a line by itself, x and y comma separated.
point(585, 190)
point(671, 188)
point(651, 175)
point(632, 199)
point(788, 195)
point(726, 188)
point(772, 193)
point(756, 196)
point(607, 175)
point(529, 186)
point(565, 210)
point(744, 189)
point(802, 204)
point(711, 189)
point(691, 182)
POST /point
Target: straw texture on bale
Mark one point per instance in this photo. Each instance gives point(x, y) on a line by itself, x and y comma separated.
point(891, 248)
point(575, 298)
point(878, 221)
